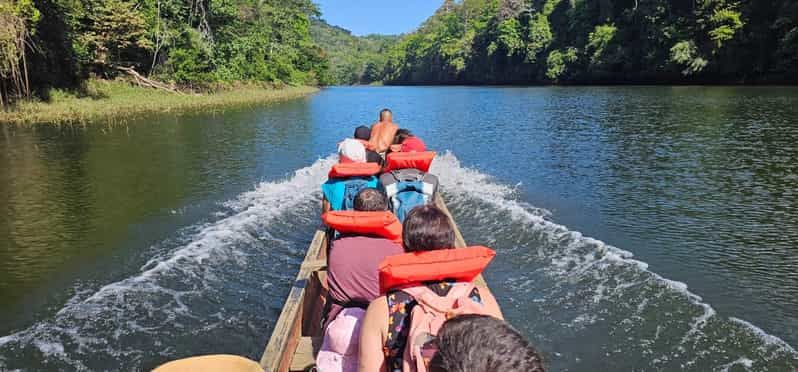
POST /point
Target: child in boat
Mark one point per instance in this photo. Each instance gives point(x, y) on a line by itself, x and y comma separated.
point(386, 326)
point(353, 282)
point(482, 343)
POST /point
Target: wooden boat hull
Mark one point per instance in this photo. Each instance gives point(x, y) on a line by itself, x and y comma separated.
point(297, 336)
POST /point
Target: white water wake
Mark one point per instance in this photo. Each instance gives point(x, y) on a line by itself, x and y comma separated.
point(113, 320)
point(157, 295)
point(593, 274)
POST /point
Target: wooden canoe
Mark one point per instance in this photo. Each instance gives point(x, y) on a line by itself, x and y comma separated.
point(297, 336)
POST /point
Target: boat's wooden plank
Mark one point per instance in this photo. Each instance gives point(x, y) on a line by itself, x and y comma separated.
point(305, 355)
point(459, 241)
point(288, 350)
point(285, 336)
point(315, 265)
point(313, 307)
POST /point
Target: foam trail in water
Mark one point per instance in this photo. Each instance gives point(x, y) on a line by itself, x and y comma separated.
point(580, 267)
point(156, 296)
point(767, 338)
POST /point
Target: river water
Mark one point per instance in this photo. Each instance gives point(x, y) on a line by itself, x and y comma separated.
point(637, 228)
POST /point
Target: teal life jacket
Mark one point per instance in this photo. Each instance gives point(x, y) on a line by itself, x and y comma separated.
point(341, 192)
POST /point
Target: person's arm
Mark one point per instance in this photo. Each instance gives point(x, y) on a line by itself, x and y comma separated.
point(372, 337)
point(325, 205)
point(368, 145)
point(491, 305)
point(374, 139)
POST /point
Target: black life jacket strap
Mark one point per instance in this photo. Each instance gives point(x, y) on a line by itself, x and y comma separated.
point(328, 307)
point(350, 304)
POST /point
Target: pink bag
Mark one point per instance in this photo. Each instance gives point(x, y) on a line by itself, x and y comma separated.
point(428, 316)
point(339, 351)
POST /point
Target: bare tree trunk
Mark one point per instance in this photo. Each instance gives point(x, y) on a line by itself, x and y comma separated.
point(204, 27)
point(25, 71)
point(145, 82)
point(16, 83)
point(3, 93)
point(158, 38)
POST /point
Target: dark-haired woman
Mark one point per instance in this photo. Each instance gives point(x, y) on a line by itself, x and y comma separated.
point(470, 343)
point(386, 325)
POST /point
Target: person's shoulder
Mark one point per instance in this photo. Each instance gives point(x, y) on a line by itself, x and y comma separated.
point(390, 248)
point(379, 305)
point(361, 239)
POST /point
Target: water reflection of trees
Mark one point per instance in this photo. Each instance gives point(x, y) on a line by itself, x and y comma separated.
point(75, 199)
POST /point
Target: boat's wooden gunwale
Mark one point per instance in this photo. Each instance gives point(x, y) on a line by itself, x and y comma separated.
point(282, 346)
point(285, 336)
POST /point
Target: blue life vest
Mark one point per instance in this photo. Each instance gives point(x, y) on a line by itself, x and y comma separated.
point(341, 192)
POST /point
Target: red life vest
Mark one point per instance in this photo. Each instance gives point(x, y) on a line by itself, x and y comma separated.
point(346, 170)
point(404, 160)
point(412, 269)
point(383, 224)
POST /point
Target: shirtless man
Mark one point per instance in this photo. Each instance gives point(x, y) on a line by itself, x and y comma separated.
point(383, 132)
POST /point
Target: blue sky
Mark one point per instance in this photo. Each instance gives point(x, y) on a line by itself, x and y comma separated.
point(364, 17)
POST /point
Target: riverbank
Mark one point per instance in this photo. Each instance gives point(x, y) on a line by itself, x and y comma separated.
point(115, 101)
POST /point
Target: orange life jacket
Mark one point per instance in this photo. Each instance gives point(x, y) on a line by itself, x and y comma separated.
point(346, 170)
point(404, 160)
point(412, 269)
point(383, 224)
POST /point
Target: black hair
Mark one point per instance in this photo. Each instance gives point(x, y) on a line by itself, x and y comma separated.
point(480, 343)
point(401, 136)
point(427, 228)
point(385, 111)
point(370, 200)
point(362, 133)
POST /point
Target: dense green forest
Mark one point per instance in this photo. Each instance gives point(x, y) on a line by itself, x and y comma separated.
point(601, 41)
point(199, 43)
point(184, 43)
point(353, 60)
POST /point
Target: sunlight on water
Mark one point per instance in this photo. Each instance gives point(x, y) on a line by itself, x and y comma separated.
point(638, 228)
point(572, 287)
point(592, 290)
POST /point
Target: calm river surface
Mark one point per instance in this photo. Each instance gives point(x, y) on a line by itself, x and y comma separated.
point(638, 228)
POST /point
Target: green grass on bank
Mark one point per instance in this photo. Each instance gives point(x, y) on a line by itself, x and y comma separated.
point(116, 101)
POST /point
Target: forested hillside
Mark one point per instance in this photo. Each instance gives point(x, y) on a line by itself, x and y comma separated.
point(197, 43)
point(353, 60)
point(46, 43)
point(601, 41)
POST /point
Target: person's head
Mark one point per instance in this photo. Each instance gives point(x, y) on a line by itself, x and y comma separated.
point(370, 200)
point(351, 151)
point(427, 228)
point(386, 115)
point(470, 343)
point(363, 133)
point(401, 136)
